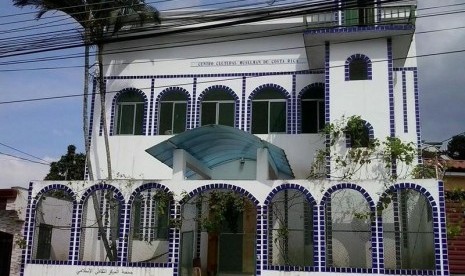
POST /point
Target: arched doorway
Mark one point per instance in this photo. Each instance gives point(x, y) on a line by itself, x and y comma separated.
point(218, 233)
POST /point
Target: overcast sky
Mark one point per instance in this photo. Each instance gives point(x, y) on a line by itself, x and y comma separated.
point(44, 129)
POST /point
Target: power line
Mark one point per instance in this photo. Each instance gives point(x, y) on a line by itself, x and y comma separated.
point(198, 82)
point(30, 155)
point(142, 48)
point(24, 159)
point(247, 17)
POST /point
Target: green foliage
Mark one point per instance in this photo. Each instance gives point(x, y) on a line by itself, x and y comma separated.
point(424, 171)
point(71, 166)
point(456, 147)
point(225, 209)
point(363, 150)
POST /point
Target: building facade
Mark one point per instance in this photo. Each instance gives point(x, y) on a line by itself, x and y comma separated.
point(212, 135)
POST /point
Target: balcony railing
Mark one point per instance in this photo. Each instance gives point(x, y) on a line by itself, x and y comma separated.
point(388, 15)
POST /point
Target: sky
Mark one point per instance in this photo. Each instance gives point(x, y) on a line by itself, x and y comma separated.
point(41, 130)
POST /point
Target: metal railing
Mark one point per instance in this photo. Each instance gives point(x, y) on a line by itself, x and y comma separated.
point(388, 15)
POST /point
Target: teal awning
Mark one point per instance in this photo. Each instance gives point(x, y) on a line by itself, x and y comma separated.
point(214, 145)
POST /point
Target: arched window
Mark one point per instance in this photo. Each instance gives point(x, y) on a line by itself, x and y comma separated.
point(217, 108)
point(269, 111)
point(130, 114)
point(312, 112)
point(52, 225)
point(358, 67)
point(349, 220)
point(359, 133)
point(150, 212)
point(290, 238)
point(173, 111)
point(408, 235)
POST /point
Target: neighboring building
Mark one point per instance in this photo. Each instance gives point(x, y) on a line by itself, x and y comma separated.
point(192, 115)
point(454, 182)
point(12, 213)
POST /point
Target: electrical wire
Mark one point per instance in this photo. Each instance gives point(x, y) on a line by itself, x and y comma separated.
point(24, 159)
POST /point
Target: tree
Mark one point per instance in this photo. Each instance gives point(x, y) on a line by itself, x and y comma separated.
point(71, 166)
point(456, 147)
point(98, 19)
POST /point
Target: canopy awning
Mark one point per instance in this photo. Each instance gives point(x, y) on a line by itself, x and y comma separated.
point(214, 145)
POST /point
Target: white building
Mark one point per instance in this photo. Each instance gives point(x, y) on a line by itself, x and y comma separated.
point(205, 117)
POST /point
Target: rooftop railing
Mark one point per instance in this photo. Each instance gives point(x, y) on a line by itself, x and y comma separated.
point(366, 16)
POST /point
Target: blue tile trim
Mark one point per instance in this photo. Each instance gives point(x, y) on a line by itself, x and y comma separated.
point(404, 101)
point(443, 228)
point(256, 91)
point(219, 186)
point(32, 215)
point(437, 213)
point(417, 113)
point(267, 238)
point(225, 89)
point(194, 122)
point(152, 107)
point(392, 119)
point(294, 114)
point(362, 57)
point(404, 69)
point(91, 123)
point(298, 105)
point(260, 239)
point(327, 108)
point(326, 199)
point(101, 117)
point(397, 225)
point(27, 230)
point(175, 236)
point(220, 75)
point(353, 29)
point(114, 103)
point(120, 198)
point(160, 98)
point(244, 87)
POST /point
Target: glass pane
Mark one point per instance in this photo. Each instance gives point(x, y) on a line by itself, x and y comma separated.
point(175, 96)
point(269, 93)
point(126, 119)
point(309, 117)
point(179, 120)
point(358, 70)
point(277, 117)
point(208, 113)
point(321, 115)
point(131, 97)
point(166, 120)
point(226, 114)
point(259, 117)
point(139, 120)
point(314, 93)
point(216, 95)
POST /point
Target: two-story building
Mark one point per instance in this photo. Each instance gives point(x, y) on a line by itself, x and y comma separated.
point(213, 127)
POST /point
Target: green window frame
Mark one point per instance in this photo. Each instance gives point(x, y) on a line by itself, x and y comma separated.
point(130, 114)
point(218, 107)
point(269, 110)
point(173, 113)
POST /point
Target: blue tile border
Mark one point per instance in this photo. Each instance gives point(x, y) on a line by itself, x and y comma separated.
point(352, 29)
